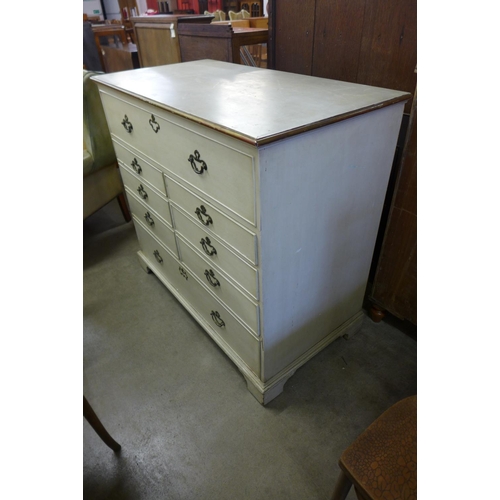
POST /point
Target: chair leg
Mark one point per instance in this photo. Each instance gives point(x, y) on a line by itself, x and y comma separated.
point(342, 487)
point(96, 424)
point(124, 207)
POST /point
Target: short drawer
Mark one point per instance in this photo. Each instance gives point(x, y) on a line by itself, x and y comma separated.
point(162, 262)
point(140, 166)
point(224, 259)
point(213, 220)
point(146, 194)
point(232, 297)
point(208, 161)
point(221, 324)
point(155, 224)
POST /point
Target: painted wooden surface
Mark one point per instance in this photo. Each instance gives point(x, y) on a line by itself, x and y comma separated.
point(316, 187)
point(283, 104)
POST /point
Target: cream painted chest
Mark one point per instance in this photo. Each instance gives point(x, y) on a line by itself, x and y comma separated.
point(256, 197)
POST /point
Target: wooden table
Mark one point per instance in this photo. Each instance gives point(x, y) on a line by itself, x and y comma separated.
point(220, 42)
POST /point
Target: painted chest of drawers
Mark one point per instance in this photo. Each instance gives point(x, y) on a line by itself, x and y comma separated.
point(256, 197)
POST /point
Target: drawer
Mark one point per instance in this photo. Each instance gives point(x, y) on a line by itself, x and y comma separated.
point(155, 225)
point(162, 262)
point(220, 323)
point(149, 197)
point(141, 167)
point(205, 160)
point(221, 257)
point(220, 286)
point(213, 220)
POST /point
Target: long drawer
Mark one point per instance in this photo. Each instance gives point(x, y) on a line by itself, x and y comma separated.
point(224, 260)
point(221, 323)
point(222, 173)
point(146, 193)
point(142, 168)
point(220, 286)
point(213, 220)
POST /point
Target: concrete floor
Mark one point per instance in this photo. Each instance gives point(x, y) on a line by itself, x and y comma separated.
point(188, 426)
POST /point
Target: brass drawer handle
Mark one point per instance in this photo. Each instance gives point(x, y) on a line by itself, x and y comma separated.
point(205, 242)
point(149, 219)
point(128, 126)
point(202, 211)
point(135, 165)
point(158, 256)
point(154, 124)
point(183, 272)
point(142, 192)
point(217, 319)
point(196, 158)
point(211, 278)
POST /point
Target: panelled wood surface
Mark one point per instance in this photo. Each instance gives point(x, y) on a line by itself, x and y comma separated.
point(294, 35)
point(373, 42)
point(395, 284)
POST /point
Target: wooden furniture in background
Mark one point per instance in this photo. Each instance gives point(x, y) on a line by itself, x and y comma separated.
point(218, 41)
point(157, 37)
point(120, 57)
point(373, 42)
point(216, 181)
point(252, 6)
point(110, 31)
point(394, 288)
point(96, 424)
point(382, 462)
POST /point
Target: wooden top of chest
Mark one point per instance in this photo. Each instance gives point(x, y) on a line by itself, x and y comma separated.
point(255, 105)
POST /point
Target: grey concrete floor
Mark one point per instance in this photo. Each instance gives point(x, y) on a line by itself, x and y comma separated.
point(188, 426)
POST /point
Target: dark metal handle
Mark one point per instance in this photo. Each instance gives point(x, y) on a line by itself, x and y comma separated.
point(196, 158)
point(149, 219)
point(135, 165)
point(205, 242)
point(128, 126)
point(211, 278)
point(217, 319)
point(183, 272)
point(158, 256)
point(142, 192)
point(202, 211)
point(154, 124)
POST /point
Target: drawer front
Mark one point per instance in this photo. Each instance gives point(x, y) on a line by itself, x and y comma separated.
point(221, 323)
point(222, 173)
point(146, 194)
point(162, 262)
point(141, 167)
point(222, 288)
point(154, 223)
point(236, 236)
point(221, 257)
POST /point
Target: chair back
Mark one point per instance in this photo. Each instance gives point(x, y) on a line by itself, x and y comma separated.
point(96, 136)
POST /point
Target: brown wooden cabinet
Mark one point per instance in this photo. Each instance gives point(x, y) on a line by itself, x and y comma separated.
point(394, 288)
point(157, 38)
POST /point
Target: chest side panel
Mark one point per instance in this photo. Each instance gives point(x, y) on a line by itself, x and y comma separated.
point(321, 198)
